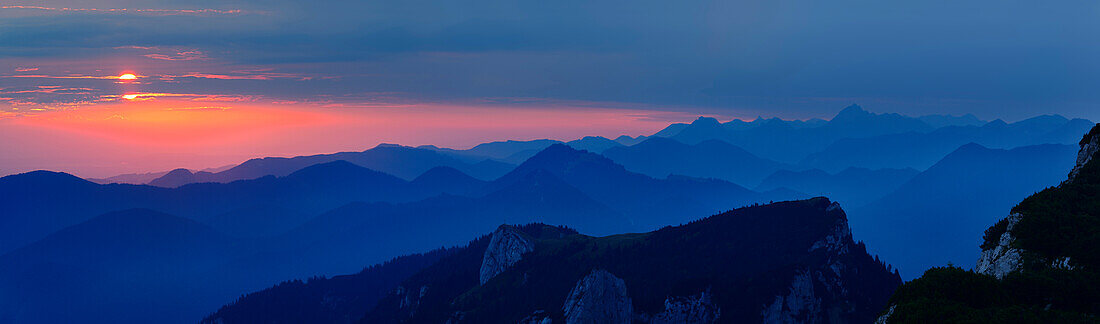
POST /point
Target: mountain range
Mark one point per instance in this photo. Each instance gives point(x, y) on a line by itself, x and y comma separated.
point(921, 150)
point(401, 161)
point(214, 234)
point(852, 186)
point(805, 268)
point(661, 157)
point(267, 232)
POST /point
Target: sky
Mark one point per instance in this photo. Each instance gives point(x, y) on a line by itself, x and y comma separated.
point(217, 82)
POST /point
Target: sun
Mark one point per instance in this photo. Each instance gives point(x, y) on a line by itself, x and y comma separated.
point(130, 96)
point(127, 76)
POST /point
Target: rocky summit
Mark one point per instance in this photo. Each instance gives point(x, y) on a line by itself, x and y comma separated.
point(784, 262)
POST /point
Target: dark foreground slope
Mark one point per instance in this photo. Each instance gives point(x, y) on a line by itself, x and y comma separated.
point(340, 299)
point(789, 261)
point(68, 278)
point(1039, 265)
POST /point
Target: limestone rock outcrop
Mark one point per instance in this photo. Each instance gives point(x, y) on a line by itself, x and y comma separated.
point(506, 247)
point(599, 297)
point(1003, 258)
point(698, 309)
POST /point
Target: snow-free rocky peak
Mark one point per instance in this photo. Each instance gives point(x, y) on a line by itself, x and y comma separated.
point(599, 297)
point(506, 247)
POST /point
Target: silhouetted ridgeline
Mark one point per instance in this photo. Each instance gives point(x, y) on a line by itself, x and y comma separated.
point(792, 261)
point(327, 218)
point(138, 253)
point(340, 299)
point(401, 161)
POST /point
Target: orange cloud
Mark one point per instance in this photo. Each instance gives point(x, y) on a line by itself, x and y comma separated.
point(26, 69)
point(183, 96)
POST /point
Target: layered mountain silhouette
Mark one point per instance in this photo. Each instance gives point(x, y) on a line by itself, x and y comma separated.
point(340, 299)
point(144, 178)
point(38, 203)
point(335, 217)
point(338, 241)
point(938, 121)
point(595, 144)
point(1037, 265)
point(401, 161)
point(661, 157)
point(805, 267)
point(791, 141)
point(853, 186)
point(647, 200)
point(175, 250)
point(115, 267)
point(510, 151)
point(921, 150)
point(938, 216)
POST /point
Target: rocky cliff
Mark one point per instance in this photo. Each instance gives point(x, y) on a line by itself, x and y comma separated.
point(1002, 258)
point(506, 247)
point(790, 262)
point(599, 297)
point(1090, 144)
point(697, 309)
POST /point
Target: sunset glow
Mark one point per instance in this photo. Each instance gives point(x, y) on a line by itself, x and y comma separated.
point(394, 161)
point(409, 77)
point(165, 131)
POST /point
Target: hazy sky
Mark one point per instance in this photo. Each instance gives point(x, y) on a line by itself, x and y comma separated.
point(235, 79)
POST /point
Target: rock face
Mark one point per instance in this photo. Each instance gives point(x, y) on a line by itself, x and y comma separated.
point(538, 317)
point(802, 302)
point(506, 247)
point(800, 305)
point(688, 310)
point(1089, 145)
point(410, 298)
point(599, 297)
point(836, 242)
point(791, 261)
point(885, 318)
point(1003, 258)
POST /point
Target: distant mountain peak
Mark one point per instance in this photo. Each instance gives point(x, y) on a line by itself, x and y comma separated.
point(41, 177)
point(706, 121)
point(851, 111)
point(180, 171)
point(560, 159)
point(389, 145)
point(174, 178)
point(557, 153)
